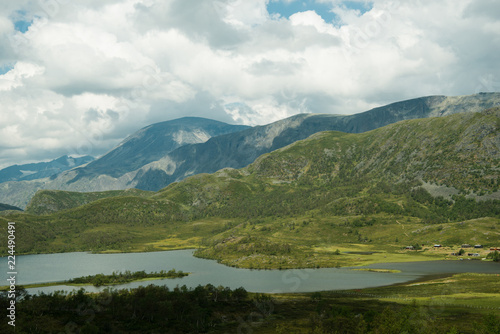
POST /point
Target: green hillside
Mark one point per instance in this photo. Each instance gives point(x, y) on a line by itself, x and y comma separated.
point(49, 201)
point(5, 207)
point(334, 199)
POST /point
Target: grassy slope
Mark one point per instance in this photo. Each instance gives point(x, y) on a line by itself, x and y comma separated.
point(462, 302)
point(296, 206)
point(5, 207)
point(50, 201)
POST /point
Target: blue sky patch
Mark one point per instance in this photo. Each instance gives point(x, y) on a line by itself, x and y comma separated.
point(5, 68)
point(285, 9)
point(21, 20)
point(362, 6)
point(22, 26)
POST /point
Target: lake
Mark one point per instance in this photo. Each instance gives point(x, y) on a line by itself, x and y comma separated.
point(45, 268)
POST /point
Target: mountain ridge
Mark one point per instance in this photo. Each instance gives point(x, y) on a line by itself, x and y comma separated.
point(110, 172)
point(239, 149)
point(154, 141)
point(40, 170)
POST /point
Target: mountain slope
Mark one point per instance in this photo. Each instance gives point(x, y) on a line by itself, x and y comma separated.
point(42, 169)
point(239, 149)
point(236, 150)
point(288, 207)
point(460, 151)
point(112, 171)
point(5, 207)
point(49, 201)
point(154, 142)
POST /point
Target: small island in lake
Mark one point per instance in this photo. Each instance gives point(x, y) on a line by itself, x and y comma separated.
point(126, 277)
point(113, 279)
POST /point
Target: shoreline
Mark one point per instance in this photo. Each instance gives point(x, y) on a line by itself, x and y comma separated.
point(420, 280)
point(66, 283)
point(368, 260)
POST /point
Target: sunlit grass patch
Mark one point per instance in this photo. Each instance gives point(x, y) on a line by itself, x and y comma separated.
point(175, 243)
point(389, 271)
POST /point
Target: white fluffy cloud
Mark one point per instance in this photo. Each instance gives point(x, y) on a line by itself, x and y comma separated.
point(87, 73)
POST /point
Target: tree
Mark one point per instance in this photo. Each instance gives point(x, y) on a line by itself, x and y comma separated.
point(496, 256)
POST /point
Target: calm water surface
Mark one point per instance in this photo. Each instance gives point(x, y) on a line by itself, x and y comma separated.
point(59, 267)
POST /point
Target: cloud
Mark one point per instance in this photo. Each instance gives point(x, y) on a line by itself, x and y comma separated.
point(19, 75)
point(86, 74)
point(311, 18)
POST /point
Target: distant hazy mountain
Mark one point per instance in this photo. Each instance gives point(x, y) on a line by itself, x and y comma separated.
point(168, 152)
point(153, 143)
point(112, 171)
point(41, 170)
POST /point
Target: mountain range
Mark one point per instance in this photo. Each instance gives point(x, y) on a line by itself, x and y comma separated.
point(42, 170)
point(167, 152)
point(110, 172)
point(152, 143)
point(290, 206)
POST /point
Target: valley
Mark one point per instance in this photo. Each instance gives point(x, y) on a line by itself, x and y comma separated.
point(264, 166)
point(392, 200)
point(295, 207)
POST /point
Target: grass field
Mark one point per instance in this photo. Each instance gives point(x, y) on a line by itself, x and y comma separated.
point(298, 242)
point(330, 242)
point(460, 302)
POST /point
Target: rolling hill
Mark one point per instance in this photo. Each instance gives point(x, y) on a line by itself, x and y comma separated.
point(49, 201)
point(5, 207)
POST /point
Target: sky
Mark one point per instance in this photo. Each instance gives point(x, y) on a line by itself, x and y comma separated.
point(76, 77)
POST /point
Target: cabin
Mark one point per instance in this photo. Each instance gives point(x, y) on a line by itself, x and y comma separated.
point(473, 254)
point(478, 246)
point(410, 247)
point(466, 246)
point(438, 246)
point(495, 249)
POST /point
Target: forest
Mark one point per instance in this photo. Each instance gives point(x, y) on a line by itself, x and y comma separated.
point(210, 309)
